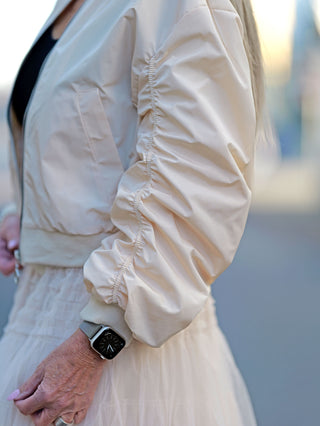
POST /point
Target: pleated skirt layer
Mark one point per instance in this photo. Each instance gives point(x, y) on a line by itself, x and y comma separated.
point(192, 380)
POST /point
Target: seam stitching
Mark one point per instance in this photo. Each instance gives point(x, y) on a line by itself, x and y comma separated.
point(155, 118)
point(138, 242)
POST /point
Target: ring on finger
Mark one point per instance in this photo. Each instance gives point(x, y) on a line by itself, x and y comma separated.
point(60, 422)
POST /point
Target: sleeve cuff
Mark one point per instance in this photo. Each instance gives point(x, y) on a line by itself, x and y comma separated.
point(108, 314)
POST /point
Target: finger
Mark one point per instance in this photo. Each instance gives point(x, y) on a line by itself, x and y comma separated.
point(79, 416)
point(47, 416)
point(7, 263)
point(14, 395)
point(13, 244)
point(7, 259)
point(10, 232)
point(67, 417)
point(4, 251)
point(44, 417)
point(36, 402)
point(31, 385)
point(10, 228)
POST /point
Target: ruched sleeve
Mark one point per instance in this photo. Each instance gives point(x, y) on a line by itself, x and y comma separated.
point(180, 210)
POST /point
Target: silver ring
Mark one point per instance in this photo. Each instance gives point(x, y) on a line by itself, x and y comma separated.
point(60, 422)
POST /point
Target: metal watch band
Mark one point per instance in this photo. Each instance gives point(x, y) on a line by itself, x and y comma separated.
point(90, 328)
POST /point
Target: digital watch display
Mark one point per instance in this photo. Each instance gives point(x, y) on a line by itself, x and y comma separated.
point(103, 339)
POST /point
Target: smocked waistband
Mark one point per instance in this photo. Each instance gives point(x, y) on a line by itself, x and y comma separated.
point(57, 249)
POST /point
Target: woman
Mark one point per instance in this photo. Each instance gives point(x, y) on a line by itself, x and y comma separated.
point(137, 147)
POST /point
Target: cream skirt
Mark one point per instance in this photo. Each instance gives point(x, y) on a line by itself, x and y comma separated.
point(191, 380)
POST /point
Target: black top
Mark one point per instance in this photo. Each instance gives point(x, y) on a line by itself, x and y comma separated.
point(29, 71)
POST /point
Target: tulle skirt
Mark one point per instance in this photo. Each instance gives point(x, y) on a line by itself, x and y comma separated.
point(192, 380)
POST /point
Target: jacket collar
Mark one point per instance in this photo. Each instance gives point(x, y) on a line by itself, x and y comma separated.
point(57, 10)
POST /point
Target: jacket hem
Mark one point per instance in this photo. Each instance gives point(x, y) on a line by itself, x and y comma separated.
point(42, 247)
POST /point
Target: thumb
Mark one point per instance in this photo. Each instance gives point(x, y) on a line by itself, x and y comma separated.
point(13, 244)
point(11, 232)
point(28, 388)
point(12, 236)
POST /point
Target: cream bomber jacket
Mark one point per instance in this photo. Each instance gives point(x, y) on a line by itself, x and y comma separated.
point(138, 153)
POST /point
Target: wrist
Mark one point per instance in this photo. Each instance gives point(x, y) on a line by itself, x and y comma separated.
point(105, 341)
point(85, 350)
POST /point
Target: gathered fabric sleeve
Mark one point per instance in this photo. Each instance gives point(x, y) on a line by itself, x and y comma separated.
point(181, 209)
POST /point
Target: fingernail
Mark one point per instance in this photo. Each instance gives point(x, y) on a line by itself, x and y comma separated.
point(13, 395)
point(12, 244)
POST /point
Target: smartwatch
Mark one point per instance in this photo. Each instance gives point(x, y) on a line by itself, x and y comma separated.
point(105, 341)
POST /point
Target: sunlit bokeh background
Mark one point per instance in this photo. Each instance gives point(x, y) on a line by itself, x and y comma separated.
point(267, 301)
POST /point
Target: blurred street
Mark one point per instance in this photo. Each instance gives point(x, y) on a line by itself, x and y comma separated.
point(268, 307)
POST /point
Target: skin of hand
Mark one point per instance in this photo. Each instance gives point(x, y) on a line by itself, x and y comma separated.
point(63, 384)
point(9, 241)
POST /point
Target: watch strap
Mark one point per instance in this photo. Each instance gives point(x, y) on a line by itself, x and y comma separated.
point(90, 328)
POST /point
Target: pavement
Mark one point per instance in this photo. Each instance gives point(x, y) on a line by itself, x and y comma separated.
point(268, 307)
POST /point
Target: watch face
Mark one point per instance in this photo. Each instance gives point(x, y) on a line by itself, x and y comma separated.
point(108, 344)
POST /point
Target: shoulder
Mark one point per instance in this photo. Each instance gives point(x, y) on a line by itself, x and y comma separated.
point(172, 29)
point(156, 20)
point(171, 11)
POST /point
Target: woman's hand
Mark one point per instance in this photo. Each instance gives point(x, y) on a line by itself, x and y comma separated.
point(9, 241)
point(63, 384)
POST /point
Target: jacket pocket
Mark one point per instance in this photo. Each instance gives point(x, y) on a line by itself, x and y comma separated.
point(72, 165)
point(108, 165)
point(97, 129)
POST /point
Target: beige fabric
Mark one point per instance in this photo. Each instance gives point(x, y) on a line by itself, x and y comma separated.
point(95, 311)
point(141, 130)
point(192, 380)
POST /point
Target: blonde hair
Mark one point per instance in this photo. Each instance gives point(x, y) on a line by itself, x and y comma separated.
point(252, 46)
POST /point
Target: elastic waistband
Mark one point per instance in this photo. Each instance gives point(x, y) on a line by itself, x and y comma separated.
point(57, 249)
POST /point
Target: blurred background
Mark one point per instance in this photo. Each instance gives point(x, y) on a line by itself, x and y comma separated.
point(267, 301)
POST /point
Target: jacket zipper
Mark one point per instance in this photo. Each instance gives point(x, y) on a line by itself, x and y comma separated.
point(17, 253)
point(28, 106)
